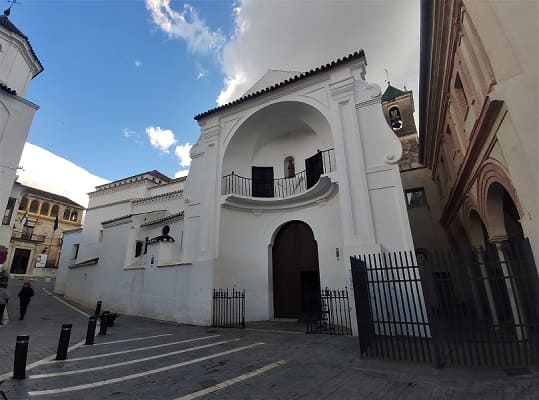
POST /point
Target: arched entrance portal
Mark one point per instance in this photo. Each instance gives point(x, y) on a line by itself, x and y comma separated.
point(295, 269)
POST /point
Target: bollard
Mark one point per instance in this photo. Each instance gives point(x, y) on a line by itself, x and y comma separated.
point(63, 343)
point(98, 308)
point(90, 332)
point(104, 323)
point(21, 351)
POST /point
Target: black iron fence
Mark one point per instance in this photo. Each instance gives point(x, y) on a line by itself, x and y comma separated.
point(228, 308)
point(477, 309)
point(327, 311)
point(280, 187)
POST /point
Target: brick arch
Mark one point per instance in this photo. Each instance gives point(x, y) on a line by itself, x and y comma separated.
point(492, 172)
point(469, 205)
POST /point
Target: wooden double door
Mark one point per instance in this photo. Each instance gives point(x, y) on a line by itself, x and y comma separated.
point(295, 269)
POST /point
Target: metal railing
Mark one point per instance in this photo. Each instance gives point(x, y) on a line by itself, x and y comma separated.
point(228, 308)
point(478, 309)
point(28, 236)
point(280, 187)
point(328, 312)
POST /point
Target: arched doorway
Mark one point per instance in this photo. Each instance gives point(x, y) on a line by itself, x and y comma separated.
point(295, 269)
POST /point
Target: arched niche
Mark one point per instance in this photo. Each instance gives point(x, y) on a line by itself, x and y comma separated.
point(271, 134)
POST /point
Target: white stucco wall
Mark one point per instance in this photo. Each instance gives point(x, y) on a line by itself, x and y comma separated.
point(67, 258)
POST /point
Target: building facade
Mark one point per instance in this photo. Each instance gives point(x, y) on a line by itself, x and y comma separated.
point(286, 183)
point(421, 194)
point(37, 220)
point(18, 65)
point(478, 120)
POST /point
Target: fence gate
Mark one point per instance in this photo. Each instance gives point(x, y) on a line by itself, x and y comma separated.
point(327, 311)
point(228, 308)
point(481, 309)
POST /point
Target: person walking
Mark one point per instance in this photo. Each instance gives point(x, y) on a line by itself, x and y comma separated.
point(25, 295)
point(4, 297)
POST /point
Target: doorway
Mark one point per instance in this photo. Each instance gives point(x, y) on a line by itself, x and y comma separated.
point(295, 269)
point(20, 261)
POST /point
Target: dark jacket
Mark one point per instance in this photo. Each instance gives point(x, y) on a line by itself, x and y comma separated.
point(26, 294)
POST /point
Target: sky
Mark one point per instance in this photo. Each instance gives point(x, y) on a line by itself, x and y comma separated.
point(123, 79)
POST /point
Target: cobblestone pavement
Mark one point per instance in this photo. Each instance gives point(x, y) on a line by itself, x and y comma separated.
point(42, 323)
point(145, 359)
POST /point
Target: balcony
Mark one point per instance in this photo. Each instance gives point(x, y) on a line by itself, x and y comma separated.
point(31, 237)
point(264, 186)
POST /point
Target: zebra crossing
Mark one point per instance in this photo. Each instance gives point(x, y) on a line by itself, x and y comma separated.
point(113, 366)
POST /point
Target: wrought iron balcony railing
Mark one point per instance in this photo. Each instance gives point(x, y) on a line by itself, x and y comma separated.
point(27, 236)
point(322, 162)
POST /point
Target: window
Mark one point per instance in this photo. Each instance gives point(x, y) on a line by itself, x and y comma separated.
point(101, 236)
point(75, 251)
point(395, 119)
point(415, 197)
point(262, 181)
point(460, 94)
point(67, 213)
point(24, 204)
point(27, 232)
point(289, 167)
point(44, 209)
point(74, 216)
point(138, 248)
point(146, 245)
point(55, 210)
point(34, 206)
point(9, 211)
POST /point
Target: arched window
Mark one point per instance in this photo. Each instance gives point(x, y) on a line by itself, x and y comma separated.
point(34, 206)
point(24, 204)
point(44, 209)
point(54, 210)
point(395, 118)
point(74, 215)
point(289, 167)
point(67, 213)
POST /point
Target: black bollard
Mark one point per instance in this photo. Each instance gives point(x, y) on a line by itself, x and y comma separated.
point(90, 332)
point(98, 308)
point(21, 351)
point(63, 343)
point(104, 323)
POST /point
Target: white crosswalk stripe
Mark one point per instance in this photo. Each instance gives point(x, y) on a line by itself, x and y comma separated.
point(139, 374)
point(138, 360)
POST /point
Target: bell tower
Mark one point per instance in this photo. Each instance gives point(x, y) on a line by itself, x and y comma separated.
point(398, 108)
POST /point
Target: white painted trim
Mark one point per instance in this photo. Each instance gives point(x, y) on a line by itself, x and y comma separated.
point(139, 374)
point(230, 382)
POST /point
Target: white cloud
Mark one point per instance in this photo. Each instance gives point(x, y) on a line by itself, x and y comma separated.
point(186, 25)
point(183, 172)
point(44, 170)
point(182, 152)
point(161, 139)
point(128, 133)
point(301, 36)
point(138, 63)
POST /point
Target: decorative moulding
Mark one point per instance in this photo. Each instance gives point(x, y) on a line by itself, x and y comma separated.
point(324, 190)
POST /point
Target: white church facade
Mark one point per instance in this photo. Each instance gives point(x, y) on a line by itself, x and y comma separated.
point(286, 183)
point(18, 66)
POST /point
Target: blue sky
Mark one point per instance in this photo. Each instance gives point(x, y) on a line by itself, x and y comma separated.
point(123, 79)
point(110, 72)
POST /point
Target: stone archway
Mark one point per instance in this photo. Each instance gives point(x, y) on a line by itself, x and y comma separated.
point(295, 269)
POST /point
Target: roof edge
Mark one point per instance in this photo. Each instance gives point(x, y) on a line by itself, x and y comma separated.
point(323, 68)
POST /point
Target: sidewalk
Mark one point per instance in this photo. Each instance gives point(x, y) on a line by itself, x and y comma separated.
point(147, 359)
point(42, 323)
